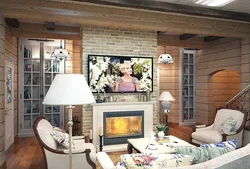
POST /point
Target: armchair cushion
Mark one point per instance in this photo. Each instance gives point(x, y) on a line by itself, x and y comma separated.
point(205, 136)
point(61, 137)
point(223, 114)
point(201, 154)
point(230, 144)
point(228, 125)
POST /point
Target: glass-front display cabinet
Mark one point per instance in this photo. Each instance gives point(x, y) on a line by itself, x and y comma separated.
point(36, 72)
point(187, 87)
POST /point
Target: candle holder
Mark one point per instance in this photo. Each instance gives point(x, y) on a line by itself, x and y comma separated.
point(101, 146)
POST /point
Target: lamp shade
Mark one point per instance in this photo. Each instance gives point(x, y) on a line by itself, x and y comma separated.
point(166, 96)
point(69, 89)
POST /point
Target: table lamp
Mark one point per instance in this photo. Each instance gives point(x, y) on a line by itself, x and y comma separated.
point(165, 99)
point(69, 90)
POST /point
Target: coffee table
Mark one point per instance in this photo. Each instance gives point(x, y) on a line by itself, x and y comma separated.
point(141, 145)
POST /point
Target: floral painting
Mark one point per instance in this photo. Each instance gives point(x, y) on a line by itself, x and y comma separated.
point(105, 72)
point(8, 85)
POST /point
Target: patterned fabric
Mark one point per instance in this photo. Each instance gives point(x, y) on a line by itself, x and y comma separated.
point(61, 137)
point(228, 125)
point(202, 154)
point(156, 161)
point(230, 144)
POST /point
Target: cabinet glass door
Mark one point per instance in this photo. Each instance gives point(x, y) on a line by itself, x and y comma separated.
point(51, 69)
point(31, 85)
point(36, 73)
point(187, 87)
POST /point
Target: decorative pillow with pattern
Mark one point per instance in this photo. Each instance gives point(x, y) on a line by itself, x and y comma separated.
point(230, 144)
point(61, 137)
point(228, 125)
point(156, 161)
point(202, 154)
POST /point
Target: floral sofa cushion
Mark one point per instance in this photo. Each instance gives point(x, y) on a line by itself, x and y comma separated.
point(202, 154)
point(142, 161)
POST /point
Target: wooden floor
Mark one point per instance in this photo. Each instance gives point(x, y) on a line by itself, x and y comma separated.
point(25, 153)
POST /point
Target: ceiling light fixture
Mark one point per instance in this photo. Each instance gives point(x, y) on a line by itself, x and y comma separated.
point(60, 53)
point(215, 3)
point(165, 58)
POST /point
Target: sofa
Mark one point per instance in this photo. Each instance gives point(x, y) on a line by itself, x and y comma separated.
point(237, 159)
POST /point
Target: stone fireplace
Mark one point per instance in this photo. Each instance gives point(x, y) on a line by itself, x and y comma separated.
point(120, 121)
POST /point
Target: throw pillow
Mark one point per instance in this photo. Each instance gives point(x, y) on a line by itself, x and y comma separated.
point(61, 137)
point(156, 161)
point(202, 154)
point(230, 144)
point(227, 125)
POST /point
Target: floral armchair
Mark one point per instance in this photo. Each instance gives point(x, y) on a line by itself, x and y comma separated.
point(228, 124)
point(56, 156)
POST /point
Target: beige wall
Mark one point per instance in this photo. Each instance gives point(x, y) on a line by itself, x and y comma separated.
point(223, 54)
point(118, 42)
point(169, 81)
point(226, 84)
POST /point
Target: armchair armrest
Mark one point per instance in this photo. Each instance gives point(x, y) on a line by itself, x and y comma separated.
point(200, 126)
point(75, 151)
point(224, 135)
point(78, 137)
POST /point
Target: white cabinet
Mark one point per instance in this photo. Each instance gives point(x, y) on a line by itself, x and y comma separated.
point(36, 71)
point(187, 87)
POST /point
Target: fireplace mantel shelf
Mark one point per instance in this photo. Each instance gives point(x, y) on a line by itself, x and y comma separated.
point(122, 103)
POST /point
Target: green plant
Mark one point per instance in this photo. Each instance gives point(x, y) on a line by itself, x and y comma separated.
point(161, 127)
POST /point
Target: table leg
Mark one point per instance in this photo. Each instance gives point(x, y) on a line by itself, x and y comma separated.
point(130, 149)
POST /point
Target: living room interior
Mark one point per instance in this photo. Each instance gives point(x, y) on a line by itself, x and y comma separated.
point(218, 38)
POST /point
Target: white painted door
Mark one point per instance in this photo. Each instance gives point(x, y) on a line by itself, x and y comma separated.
point(9, 103)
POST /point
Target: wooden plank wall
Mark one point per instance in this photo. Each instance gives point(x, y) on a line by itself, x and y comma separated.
point(73, 66)
point(169, 81)
point(223, 54)
point(226, 84)
point(2, 89)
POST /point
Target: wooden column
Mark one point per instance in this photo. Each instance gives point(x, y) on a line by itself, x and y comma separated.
point(2, 89)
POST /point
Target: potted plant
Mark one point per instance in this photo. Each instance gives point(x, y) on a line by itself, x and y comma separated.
point(162, 128)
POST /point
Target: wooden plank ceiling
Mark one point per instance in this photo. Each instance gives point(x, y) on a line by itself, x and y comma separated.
point(150, 16)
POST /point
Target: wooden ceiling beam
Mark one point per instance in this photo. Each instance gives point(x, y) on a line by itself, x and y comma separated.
point(211, 38)
point(186, 36)
point(88, 14)
point(12, 22)
point(50, 26)
point(173, 40)
point(174, 8)
point(32, 30)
